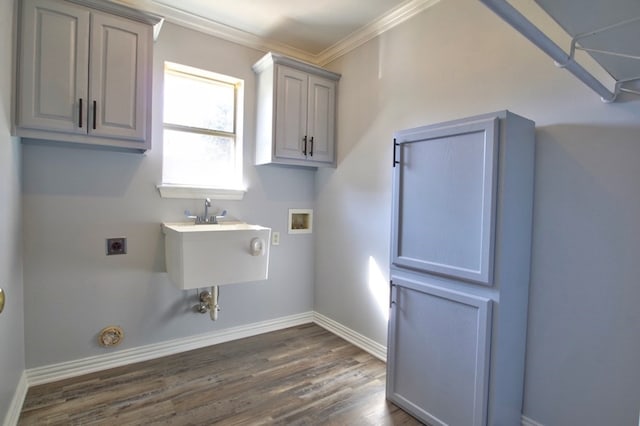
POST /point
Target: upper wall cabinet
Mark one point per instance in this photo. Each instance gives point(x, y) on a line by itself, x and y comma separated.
point(295, 113)
point(84, 75)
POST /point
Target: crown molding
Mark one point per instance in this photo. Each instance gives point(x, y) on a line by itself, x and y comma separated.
point(199, 23)
point(208, 26)
point(370, 31)
point(122, 8)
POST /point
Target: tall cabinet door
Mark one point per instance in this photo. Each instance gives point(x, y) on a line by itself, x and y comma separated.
point(291, 113)
point(118, 86)
point(321, 119)
point(438, 358)
point(52, 70)
point(444, 200)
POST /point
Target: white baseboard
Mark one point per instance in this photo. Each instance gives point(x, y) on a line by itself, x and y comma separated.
point(357, 339)
point(526, 421)
point(64, 370)
point(12, 416)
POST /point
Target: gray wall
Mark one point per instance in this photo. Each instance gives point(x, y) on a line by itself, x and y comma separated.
point(75, 198)
point(11, 319)
point(458, 59)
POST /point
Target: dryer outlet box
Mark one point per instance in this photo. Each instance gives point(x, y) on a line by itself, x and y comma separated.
point(116, 246)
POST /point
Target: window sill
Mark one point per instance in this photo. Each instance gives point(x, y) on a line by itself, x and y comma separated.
point(195, 192)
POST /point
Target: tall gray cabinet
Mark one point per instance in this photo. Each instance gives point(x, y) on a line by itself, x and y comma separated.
point(460, 256)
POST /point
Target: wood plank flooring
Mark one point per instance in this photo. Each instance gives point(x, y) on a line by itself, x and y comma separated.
point(302, 375)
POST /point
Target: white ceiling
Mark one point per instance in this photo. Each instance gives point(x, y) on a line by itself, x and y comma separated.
point(313, 30)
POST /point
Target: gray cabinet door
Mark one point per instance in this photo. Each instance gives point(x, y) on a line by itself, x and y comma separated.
point(118, 80)
point(291, 113)
point(53, 71)
point(321, 118)
point(444, 200)
point(438, 360)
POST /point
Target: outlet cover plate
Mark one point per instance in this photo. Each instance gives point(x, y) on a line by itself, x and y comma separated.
point(116, 246)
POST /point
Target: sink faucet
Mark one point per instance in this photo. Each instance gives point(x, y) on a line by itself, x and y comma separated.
point(205, 217)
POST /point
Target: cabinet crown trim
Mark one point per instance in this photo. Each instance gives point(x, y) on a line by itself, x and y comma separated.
point(124, 11)
point(275, 58)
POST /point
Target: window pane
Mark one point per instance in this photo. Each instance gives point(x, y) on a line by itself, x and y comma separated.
point(197, 102)
point(194, 159)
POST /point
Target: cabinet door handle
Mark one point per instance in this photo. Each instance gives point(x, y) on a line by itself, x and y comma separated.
point(311, 150)
point(395, 145)
point(80, 113)
point(95, 107)
point(391, 299)
point(304, 150)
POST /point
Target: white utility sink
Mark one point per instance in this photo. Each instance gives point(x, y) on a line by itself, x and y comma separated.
point(216, 254)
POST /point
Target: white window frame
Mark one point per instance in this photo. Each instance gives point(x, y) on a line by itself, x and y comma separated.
point(234, 190)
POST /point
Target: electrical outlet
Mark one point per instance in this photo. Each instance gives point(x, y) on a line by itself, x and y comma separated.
point(116, 246)
point(275, 238)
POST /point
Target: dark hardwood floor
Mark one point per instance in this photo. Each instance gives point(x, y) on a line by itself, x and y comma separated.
point(303, 375)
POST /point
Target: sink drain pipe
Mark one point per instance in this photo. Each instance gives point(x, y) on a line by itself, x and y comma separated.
point(214, 308)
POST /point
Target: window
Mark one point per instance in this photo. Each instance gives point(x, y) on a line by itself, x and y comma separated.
point(202, 141)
